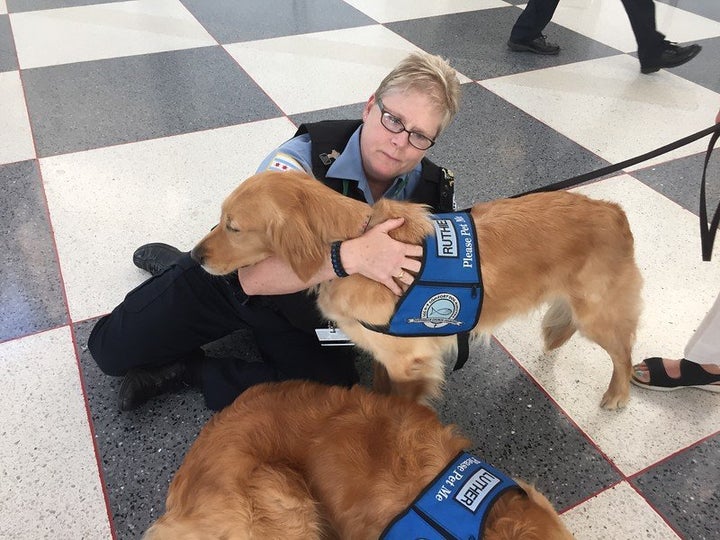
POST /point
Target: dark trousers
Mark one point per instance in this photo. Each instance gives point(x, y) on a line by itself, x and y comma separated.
point(533, 20)
point(169, 317)
point(538, 13)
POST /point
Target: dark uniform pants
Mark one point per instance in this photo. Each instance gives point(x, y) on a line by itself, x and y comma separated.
point(169, 317)
point(538, 13)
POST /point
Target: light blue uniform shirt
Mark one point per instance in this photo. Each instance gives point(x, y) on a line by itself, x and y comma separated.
point(297, 154)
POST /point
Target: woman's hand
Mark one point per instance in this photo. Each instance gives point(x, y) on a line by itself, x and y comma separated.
point(374, 255)
point(379, 257)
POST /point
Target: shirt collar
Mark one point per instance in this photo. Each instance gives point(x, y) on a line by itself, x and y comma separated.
point(348, 166)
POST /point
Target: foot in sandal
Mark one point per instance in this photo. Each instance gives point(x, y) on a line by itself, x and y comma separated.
point(667, 375)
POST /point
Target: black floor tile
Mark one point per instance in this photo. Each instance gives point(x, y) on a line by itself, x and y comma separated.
point(8, 56)
point(509, 155)
point(685, 489)
point(87, 105)
point(263, 19)
point(31, 297)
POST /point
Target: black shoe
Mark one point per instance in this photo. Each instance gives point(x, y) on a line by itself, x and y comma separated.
point(140, 385)
point(672, 56)
point(539, 45)
point(156, 258)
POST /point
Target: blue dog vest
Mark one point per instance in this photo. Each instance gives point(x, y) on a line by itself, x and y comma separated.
point(454, 506)
point(446, 296)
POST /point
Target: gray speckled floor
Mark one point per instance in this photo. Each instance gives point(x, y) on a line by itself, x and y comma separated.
point(31, 298)
point(128, 122)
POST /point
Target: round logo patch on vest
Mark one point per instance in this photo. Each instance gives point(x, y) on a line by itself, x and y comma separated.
point(440, 310)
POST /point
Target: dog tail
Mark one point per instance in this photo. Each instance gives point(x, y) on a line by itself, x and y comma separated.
point(557, 324)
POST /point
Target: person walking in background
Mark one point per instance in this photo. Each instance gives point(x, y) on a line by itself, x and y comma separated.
point(654, 51)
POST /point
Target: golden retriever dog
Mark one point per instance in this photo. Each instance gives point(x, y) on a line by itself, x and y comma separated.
point(561, 248)
point(299, 460)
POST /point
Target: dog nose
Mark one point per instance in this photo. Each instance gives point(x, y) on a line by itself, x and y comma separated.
point(198, 254)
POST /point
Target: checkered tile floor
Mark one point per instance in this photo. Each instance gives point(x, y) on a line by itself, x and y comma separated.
point(125, 122)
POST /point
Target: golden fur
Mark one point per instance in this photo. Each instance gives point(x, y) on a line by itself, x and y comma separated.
point(563, 248)
point(298, 460)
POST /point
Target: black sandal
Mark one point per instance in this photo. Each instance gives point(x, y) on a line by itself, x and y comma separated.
point(692, 375)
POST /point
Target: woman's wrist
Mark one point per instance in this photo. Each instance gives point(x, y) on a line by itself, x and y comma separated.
point(336, 259)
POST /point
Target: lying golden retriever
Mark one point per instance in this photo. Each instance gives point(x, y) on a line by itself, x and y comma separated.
point(299, 460)
point(563, 248)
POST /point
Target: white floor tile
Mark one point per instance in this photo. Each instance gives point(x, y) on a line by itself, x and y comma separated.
point(75, 34)
point(105, 203)
point(401, 10)
point(679, 289)
point(618, 512)
point(607, 22)
point(16, 142)
point(359, 58)
point(50, 484)
point(610, 108)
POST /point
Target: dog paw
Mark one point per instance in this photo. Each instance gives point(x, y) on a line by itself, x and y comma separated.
point(612, 401)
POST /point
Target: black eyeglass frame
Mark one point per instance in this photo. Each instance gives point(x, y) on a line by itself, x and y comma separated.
point(396, 122)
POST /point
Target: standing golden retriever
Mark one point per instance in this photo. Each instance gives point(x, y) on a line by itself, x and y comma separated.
point(563, 248)
point(299, 460)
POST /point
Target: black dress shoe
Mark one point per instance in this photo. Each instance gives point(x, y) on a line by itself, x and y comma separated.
point(539, 45)
point(156, 258)
point(140, 385)
point(672, 55)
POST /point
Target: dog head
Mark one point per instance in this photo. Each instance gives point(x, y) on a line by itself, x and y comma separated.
point(279, 213)
point(524, 516)
point(242, 236)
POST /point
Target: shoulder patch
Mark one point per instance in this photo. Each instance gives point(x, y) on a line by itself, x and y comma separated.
point(283, 162)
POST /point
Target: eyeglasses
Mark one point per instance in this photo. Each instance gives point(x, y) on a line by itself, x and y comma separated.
point(395, 125)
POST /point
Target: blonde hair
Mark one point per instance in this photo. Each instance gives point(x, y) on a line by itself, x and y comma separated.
point(427, 74)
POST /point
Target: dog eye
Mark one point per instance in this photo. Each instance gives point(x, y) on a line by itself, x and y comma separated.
point(231, 229)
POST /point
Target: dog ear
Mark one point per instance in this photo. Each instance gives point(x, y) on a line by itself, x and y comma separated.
point(295, 241)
